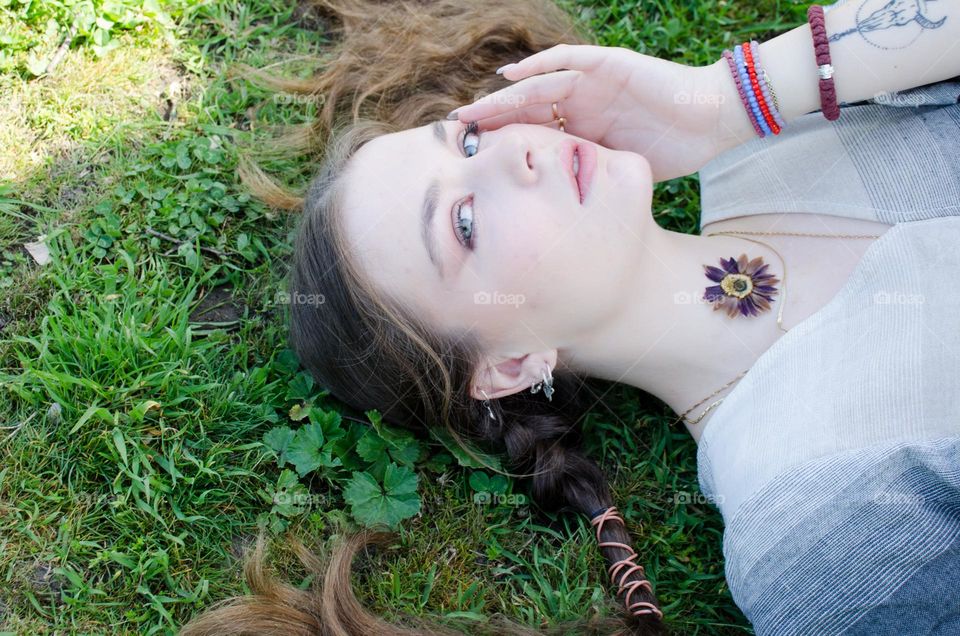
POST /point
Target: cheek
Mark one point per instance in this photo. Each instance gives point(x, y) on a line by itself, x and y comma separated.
point(534, 260)
point(527, 232)
point(556, 256)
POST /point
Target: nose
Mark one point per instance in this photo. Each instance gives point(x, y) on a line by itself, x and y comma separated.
point(514, 154)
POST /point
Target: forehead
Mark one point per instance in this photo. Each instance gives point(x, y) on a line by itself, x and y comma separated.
point(385, 183)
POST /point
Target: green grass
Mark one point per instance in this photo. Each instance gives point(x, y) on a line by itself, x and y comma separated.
point(140, 373)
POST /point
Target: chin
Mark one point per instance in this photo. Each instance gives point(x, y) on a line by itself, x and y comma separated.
point(629, 174)
point(642, 166)
point(625, 167)
point(643, 181)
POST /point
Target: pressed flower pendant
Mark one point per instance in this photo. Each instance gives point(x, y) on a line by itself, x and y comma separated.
point(742, 286)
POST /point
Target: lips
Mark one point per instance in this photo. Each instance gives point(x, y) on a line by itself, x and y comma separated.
point(580, 161)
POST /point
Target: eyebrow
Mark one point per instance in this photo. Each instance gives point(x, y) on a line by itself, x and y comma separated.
point(429, 209)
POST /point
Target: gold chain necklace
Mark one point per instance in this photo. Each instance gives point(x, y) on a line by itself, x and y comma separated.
point(783, 299)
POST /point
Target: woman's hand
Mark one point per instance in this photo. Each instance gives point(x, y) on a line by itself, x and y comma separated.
point(668, 112)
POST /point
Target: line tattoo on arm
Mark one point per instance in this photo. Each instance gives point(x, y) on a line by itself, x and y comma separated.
point(892, 24)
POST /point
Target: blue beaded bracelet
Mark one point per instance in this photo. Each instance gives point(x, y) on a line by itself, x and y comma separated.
point(748, 88)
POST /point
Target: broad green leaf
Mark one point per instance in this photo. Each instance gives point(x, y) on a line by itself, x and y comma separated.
point(299, 412)
point(304, 451)
point(344, 448)
point(372, 503)
point(278, 439)
point(403, 446)
point(371, 446)
point(498, 484)
point(307, 452)
point(300, 387)
point(479, 481)
point(408, 452)
point(330, 421)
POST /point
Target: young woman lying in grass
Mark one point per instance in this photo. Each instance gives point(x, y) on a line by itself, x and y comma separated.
point(477, 269)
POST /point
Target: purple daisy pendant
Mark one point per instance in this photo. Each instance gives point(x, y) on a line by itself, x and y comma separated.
point(743, 287)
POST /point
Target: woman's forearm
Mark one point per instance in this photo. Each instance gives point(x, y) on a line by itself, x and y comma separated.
point(876, 47)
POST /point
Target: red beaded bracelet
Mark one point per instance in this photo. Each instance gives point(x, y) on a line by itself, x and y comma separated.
point(761, 101)
point(821, 46)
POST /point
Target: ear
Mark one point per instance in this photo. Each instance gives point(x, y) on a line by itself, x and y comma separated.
point(500, 376)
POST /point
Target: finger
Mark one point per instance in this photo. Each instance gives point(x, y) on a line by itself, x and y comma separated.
point(536, 114)
point(580, 57)
point(540, 89)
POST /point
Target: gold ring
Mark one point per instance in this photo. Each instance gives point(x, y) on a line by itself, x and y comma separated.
point(557, 118)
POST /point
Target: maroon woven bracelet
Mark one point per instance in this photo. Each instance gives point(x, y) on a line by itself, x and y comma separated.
point(821, 46)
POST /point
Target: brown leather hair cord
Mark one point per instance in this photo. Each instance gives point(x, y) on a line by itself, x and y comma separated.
point(639, 607)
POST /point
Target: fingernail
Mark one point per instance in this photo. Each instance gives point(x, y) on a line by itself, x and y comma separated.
point(452, 114)
point(502, 68)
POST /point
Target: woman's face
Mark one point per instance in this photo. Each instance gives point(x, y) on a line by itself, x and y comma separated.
point(526, 264)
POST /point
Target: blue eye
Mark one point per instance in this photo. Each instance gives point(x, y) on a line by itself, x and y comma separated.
point(465, 236)
point(471, 139)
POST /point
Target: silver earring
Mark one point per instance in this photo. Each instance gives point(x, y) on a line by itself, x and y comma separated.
point(486, 403)
point(546, 384)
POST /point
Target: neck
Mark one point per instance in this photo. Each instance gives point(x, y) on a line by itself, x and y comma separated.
point(666, 340)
